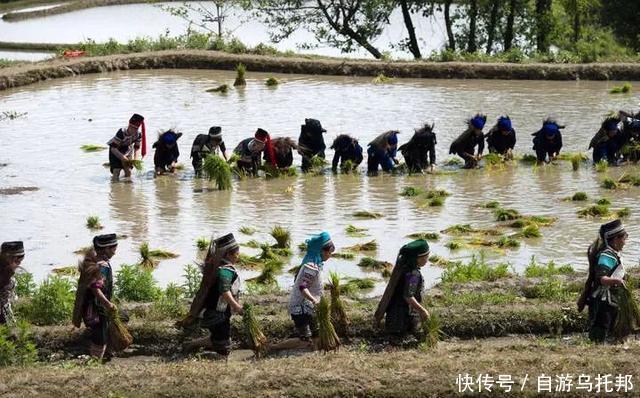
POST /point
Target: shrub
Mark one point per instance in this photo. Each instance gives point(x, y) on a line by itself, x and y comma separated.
point(134, 283)
point(535, 270)
point(475, 270)
point(17, 350)
point(192, 279)
point(51, 303)
point(169, 303)
point(25, 286)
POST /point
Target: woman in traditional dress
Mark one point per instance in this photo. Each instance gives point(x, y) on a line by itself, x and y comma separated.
point(11, 256)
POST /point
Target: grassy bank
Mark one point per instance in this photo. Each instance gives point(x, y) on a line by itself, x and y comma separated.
point(353, 371)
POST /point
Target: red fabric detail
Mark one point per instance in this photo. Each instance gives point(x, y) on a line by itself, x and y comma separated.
point(144, 139)
point(73, 53)
point(272, 152)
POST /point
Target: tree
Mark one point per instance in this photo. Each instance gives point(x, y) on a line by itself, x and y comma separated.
point(493, 22)
point(473, 20)
point(343, 24)
point(411, 31)
point(203, 15)
point(622, 17)
point(509, 32)
point(543, 25)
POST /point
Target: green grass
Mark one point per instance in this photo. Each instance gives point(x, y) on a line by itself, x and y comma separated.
point(535, 270)
point(550, 289)
point(192, 277)
point(609, 183)
point(624, 89)
point(597, 210)
point(51, 303)
point(169, 303)
point(134, 283)
point(17, 347)
point(93, 222)
point(93, 148)
point(25, 286)
point(477, 269)
point(475, 299)
point(602, 166)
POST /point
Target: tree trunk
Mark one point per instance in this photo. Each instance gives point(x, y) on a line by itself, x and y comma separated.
point(509, 30)
point(543, 25)
point(491, 29)
point(413, 41)
point(576, 21)
point(447, 22)
point(473, 16)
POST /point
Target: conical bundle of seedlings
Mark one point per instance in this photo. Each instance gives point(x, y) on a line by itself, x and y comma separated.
point(257, 339)
point(282, 237)
point(146, 259)
point(241, 70)
point(339, 316)
point(119, 337)
point(431, 331)
point(628, 319)
point(216, 169)
point(328, 339)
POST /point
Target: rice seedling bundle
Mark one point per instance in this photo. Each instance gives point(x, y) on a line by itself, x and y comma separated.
point(431, 236)
point(269, 271)
point(491, 205)
point(595, 211)
point(344, 255)
point(459, 229)
point(508, 242)
point(223, 88)
point(364, 247)
point(246, 261)
point(602, 166)
point(628, 319)
point(93, 222)
point(93, 148)
point(145, 256)
point(372, 263)
point(254, 244)
point(354, 284)
point(579, 197)
point(257, 339)
point(119, 337)
point(411, 192)
point(216, 169)
point(506, 214)
point(272, 82)
point(382, 79)
point(629, 179)
point(576, 159)
point(338, 314)
point(492, 159)
point(609, 183)
point(432, 332)
point(241, 70)
point(531, 231)
point(624, 89)
point(354, 231)
point(603, 202)
point(137, 164)
point(436, 202)
point(317, 165)
point(282, 237)
point(71, 270)
point(328, 339)
point(247, 230)
point(347, 166)
point(528, 158)
point(367, 214)
point(624, 212)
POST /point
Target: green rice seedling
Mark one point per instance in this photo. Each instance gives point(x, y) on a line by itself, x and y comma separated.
point(192, 278)
point(216, 169)
point(629, 179)
point(542, 221)
point(223, 88)
point(477, 269)
point(432, 332)
point(492, 159)
point(609, 183)
point(595, 211)
point(491, 205)
point(251, 262)
point(459, 229)
point(381, 78)
point(576, 160)
point(348, 167)
point(162, 254)
point(339, 316)
point(531, 231)
point(603, 202)
point(439, 261)
point(302, 247)
point(355, 232)
point(628, 319)
point(286, 252)
point(624, 89)
point(93, 222)
point(506, 214)
point(17, 347)
point(529, 158)
point(386, 272)
point(267, 253)
point(344, 255)
point(282, 237)
point(146, 260)
point(373, 264)
point(328, 339)
point(272, 82)
point(579, 197)
point(203, 243)
point(602, 166)
point(431, 236)
point(453, 162)
point(254, 244)
point(136, 284)
point(93, 148)
point(247, 230)
point(294, 270)
point(359, 284)
point(241, 70)
point(436, 193)
point(169, 303)
point(508, 242)
point(257, 339)
point(137, 164)
point(71, 270)
point(436, 202)
point(119, 337)
point(318, 165)
point(550, 289)
point(370, 246)
point(411, 192)
point(270, 269)
point(623, 213)
point(454, 245)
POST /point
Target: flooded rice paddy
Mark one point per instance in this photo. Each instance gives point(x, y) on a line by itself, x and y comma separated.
point(42, 150)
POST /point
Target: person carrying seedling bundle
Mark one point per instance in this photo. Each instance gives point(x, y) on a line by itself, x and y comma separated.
point(605, 279)
point(217, 297)
point(205, 144)
point(346, 148)
point(94, 293)
point(250, 149)
point(283, 148)
point(382, 152)
point(11, 256)
point(420, 152)
point(464, 146)
point(631, 131)
point(402, 298)
point(501, 139)
point(608, 141)
point(547, 142)
point(308, 287)
point(166, 157)
point(124, 146)
point(311, 142)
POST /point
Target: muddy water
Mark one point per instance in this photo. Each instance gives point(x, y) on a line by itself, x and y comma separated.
point(103, 23)
point(42, 150)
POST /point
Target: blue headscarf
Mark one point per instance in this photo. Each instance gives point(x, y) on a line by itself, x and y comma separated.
point(478, 122)
point(393, 138)
point(504, 123)
point(610, 125)
point(314, 249)
point(550, 129)
point(169, 137)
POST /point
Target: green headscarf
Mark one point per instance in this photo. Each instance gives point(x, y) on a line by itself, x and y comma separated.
point(410, 252)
